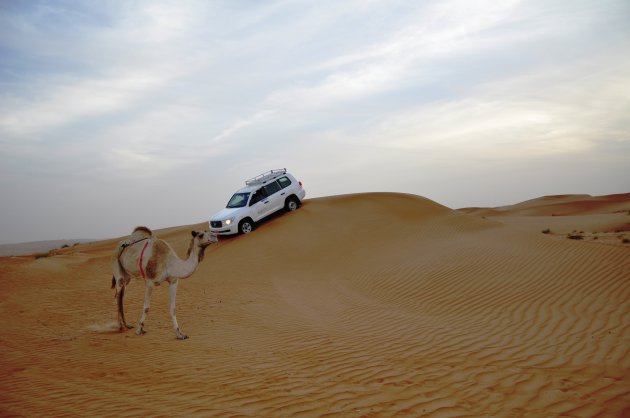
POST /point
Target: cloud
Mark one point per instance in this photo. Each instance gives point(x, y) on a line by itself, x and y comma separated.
point(402, 58)
point(542, 115)
point(155, 94)
point(67, 101)
point(229, 131)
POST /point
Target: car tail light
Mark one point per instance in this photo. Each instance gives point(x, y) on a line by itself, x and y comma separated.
point(300, 183)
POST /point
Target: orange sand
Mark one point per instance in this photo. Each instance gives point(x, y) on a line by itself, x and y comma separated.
point(370, 305)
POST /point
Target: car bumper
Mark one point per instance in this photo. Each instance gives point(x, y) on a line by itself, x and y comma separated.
point(225, 230)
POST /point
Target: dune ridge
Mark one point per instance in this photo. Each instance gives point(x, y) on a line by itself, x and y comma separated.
point(373, 305)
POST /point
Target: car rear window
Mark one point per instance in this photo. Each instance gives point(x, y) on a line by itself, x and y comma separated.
point(284, 182)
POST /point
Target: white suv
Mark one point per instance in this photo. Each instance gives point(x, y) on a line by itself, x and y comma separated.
point(262, 196)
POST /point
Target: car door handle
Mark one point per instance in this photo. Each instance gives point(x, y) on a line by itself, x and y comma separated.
point(266, 202)
point(282, 194)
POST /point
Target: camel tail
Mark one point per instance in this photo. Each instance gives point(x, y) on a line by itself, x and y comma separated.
point(117, 268)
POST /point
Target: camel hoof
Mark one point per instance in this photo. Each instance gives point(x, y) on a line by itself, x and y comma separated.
point(140, 331)
point(182, 337)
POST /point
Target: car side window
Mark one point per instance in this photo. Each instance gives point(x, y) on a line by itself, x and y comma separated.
point(284, 182)
point(271, 188)
point(258, 196)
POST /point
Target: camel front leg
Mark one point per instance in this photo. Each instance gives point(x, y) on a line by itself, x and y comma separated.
point(173, 295)
point(148, 289)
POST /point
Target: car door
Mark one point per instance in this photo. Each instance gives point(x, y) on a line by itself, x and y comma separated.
point(258, 205)
point(287, 188)
point(274, 200)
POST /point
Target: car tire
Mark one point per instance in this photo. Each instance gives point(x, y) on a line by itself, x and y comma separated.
point(291, 204)
point(245, 226)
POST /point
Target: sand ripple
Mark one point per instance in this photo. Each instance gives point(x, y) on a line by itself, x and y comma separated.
point(374, 305)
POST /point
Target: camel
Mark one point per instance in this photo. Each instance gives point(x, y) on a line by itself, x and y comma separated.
point(143, 255)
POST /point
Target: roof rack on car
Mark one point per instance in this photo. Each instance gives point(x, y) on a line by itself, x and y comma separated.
point(264, 177)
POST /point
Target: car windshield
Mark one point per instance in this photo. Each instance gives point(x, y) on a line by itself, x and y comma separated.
point(239, 200)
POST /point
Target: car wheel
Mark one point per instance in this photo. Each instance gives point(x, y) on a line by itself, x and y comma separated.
point(291, 204)
point(245, 226)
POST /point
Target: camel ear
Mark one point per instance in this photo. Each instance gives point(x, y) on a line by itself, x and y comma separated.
point(193, 233)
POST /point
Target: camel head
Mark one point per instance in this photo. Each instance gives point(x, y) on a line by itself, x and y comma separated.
point(202, 240)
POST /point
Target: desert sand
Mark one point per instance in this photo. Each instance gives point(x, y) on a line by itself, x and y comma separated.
point(367, 305)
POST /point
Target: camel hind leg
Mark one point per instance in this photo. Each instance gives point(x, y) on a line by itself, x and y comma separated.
point(148, 289)
point(120, 279)
point(120, 295)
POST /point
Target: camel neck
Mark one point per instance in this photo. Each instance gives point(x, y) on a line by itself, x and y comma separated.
point(185, 268)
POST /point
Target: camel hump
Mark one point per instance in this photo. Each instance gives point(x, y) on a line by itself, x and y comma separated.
point(141, 232)
point(143, 229)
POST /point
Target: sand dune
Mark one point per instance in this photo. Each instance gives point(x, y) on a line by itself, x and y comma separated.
point(368, 305)
point(37, 247)
point(561, 205)
point(605, 219)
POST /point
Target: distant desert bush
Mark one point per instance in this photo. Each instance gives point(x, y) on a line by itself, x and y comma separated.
point(574, 235)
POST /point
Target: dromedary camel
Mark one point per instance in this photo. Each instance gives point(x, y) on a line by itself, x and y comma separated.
point(144, 255)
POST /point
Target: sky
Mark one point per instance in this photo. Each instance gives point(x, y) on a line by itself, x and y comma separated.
point(115, 114)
